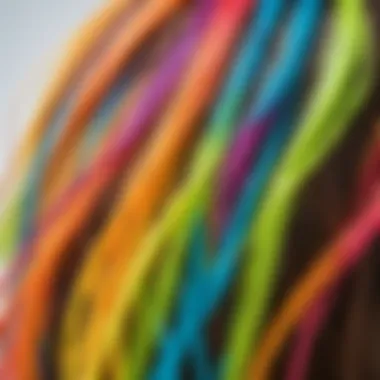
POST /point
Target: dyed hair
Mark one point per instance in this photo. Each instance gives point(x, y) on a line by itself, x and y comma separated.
point(134, 224)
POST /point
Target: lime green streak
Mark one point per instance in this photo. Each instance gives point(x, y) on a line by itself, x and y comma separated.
point(332, 107)
point(175, 230)
point(156, 309)
point(10, 227)
point(175, 223)
point(172, 234)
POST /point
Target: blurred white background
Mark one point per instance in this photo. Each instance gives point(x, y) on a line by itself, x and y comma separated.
point(32, 34)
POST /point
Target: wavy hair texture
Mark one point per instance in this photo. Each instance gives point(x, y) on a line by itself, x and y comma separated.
point(193, 168)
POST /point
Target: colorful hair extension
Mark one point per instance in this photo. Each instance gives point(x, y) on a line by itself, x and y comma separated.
point(78, 49)
point(272, 96)
point(326, 120)
point(213, 283)
point(167, 145)
point(220, 128)
point(340, 257)
point(147, 217)
point(319, 311)
point(35, 274)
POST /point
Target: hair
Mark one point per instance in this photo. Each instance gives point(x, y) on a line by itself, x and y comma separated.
point(84, 191)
